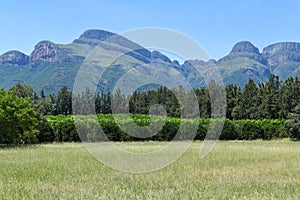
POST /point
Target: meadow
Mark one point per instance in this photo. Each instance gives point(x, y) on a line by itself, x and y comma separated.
point(233, 170)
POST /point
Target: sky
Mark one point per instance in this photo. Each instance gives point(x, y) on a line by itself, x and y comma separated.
point(215, 25)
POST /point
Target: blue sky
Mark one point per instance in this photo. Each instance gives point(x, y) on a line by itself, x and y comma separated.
point(215, 25)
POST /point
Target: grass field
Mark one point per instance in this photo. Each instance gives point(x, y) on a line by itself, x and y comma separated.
point(233, 170)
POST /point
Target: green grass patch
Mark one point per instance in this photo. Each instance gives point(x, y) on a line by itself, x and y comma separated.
point(233, 170)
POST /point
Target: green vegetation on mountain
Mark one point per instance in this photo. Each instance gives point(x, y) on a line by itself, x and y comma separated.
point(51, 66)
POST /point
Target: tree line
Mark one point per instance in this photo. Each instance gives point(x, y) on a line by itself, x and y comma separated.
point(270, 100)
point(23, 110)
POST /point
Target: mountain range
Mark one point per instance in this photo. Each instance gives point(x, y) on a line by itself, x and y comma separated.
point(51, 66)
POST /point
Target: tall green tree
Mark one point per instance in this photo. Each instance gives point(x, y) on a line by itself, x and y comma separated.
point(64, 101)
point(269, 98)
point(232, 94)
point(293, 123)
point(22, 90)
point(119, 102)
point(17, 119)
point(246, 106)
point(204, 102)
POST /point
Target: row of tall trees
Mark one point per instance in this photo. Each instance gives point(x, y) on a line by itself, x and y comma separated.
point(270, 100)
point(273, 99)
point(22, 110)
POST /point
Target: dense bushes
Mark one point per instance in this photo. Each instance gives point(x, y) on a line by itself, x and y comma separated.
point(17, 119)
point(293, 124)
point(253, 129)
point(61, 128)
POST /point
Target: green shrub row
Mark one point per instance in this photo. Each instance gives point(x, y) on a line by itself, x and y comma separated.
point(62, 128)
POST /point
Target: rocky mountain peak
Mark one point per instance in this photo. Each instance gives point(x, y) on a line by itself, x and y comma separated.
point(158, 55)
point(241, 50)
point(96, 34)
point(94, 37)
point(281, 47)
point(279, 53)
point(244, 46)
point(16, 58)
point(113, 41)
point(46, 51)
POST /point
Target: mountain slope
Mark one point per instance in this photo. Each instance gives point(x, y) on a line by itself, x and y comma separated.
point(50, 65)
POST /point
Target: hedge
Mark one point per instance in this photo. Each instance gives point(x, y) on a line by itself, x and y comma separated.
point(61, 128)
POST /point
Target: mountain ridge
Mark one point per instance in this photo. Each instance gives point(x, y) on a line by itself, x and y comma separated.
point(244, 61)
point(102, 35)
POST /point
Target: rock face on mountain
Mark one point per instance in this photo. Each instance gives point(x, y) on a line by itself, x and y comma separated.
point(157, 55)
point(46, 51)
point(58, 63)
point(96, 34)
point(280, 48)
point(94, 37)
point(16, 58)
point(279, 53)
point(244, 49)
point(244, 46)
point(112, 41)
